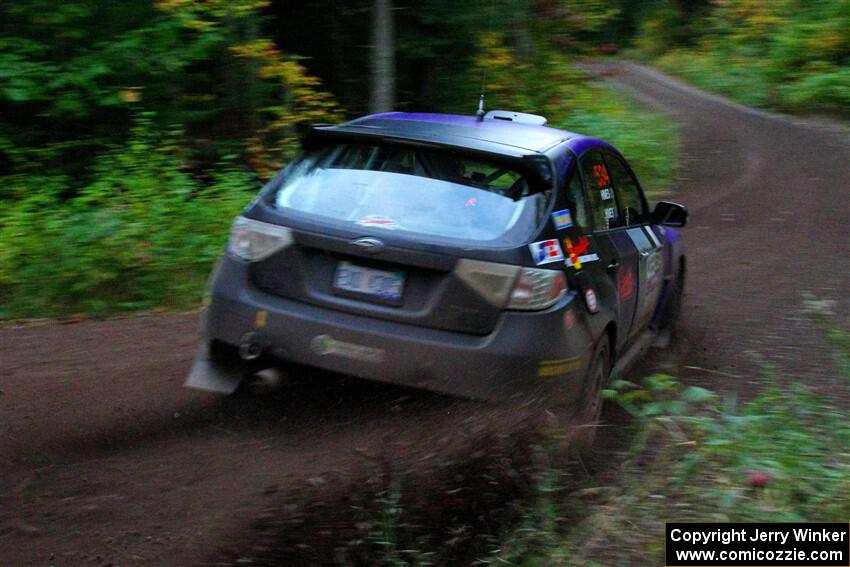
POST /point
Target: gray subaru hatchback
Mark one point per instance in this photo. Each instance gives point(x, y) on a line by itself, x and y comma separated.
point(489, 257)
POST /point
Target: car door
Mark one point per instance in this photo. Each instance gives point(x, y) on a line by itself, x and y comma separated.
point(618, 253)
point(644, 284)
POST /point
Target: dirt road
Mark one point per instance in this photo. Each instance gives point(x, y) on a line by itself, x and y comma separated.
point(769, 198)
point(106, 460)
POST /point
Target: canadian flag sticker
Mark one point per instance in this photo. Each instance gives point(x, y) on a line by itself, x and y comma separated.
point(546, 251)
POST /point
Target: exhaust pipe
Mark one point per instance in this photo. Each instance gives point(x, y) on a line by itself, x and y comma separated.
point(250, 347)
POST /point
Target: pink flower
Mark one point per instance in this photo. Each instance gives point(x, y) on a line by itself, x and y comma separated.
point(758, 479)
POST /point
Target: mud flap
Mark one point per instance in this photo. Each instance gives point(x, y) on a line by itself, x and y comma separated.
point(221, 376)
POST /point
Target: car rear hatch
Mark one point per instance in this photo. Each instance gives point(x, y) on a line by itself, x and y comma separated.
point(366, 241)
point(398, 284)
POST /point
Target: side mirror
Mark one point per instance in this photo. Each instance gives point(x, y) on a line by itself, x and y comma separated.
point(669, 214)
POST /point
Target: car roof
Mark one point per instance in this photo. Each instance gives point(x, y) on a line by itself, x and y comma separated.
point(458, 130)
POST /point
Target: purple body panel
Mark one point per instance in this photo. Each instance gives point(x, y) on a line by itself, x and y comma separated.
point(581, 144)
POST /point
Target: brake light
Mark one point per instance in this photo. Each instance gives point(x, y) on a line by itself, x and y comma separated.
point(537, 289)
point(254, 240)
point(490, 280)
point(511, 287)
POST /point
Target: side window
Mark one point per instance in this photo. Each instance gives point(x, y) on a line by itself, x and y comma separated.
point(628, 192)
point(601, 201)
point(576, 198)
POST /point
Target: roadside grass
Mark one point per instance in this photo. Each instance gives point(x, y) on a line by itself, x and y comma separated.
point(696, 455)
point(142, 234)
point(742, 79)
point(752, 81)
point(788, 56)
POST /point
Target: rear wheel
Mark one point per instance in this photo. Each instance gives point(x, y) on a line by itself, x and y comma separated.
point(586, 419)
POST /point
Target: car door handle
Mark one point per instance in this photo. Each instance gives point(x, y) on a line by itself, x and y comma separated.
point(613, 266)
point(644, 253)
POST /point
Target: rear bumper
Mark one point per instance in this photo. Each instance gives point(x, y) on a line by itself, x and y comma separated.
point(528, 354)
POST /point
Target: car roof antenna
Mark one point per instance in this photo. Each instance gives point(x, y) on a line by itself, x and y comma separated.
point(479, 114)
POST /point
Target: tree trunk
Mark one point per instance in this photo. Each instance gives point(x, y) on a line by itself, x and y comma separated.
point(382, 96)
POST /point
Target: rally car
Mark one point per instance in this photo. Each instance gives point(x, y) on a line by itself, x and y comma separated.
point(488, 257)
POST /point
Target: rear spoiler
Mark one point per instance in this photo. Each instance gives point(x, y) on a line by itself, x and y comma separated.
point(536, 166)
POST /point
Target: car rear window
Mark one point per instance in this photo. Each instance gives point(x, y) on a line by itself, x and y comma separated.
point(389, 188)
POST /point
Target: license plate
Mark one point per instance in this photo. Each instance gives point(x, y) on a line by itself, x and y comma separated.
point(379, 284)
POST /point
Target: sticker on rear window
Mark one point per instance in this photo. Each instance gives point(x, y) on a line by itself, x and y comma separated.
point(546, 251)
point(377, 220)
point(562, 219)
point(606, 194)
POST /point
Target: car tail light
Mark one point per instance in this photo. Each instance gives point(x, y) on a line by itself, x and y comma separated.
point(537, 289)
point(513, 287)
point(254, 240)
point(492, 281)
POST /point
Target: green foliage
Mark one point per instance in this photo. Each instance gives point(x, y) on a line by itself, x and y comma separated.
point(142, 234)
point(785, 54)
point(698, 456)
point(788, 433)
point(74, 75)
point(666, 24)
point(384, 534)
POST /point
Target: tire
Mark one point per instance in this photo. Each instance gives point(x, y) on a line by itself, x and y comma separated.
point(586, 418)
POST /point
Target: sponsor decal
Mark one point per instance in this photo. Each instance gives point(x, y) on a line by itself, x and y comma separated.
point(600, 172)
point(607, 194)
point(558, 367)
point(576, 252)
point(324, 345)
point(546, 251)
point(562, 219)
point(377, 220)
point(261, 319)
point(471, 202)
point(590, 299)
point(626, 284)
point(610, 213)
